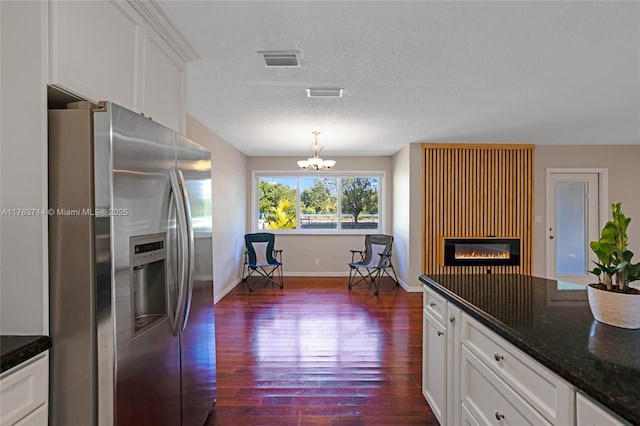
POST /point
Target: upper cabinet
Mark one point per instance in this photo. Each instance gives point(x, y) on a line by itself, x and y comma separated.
point(95, 50)
point(162, 83)
point(126, 52)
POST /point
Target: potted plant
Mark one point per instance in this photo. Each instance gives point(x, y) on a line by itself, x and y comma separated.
point(612, 300)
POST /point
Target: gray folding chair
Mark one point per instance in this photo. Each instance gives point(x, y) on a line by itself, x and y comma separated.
point(374, 262)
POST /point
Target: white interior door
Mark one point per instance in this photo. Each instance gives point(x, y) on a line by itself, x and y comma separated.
point(573, 221)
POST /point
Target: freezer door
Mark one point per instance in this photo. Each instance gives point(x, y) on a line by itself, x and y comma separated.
point(139, 362)
point(197, 337)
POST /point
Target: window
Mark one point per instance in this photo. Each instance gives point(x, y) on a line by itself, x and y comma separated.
point(318, 204)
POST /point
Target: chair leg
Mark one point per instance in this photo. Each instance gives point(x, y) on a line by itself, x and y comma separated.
point(376, 280)
point(247, 276)
point(395, 277)
point(351, 276)
point(280, 275)
point(353, 272)
point(274, 276)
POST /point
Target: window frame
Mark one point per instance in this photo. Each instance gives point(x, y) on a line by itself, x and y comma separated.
point(257, 174)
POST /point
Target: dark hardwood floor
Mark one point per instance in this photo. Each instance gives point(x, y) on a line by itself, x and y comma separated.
point(316, 353)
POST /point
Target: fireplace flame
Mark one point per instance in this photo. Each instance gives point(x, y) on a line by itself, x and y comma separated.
point(482, 255)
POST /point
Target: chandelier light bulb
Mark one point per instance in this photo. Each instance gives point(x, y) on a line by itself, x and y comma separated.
point(315, 162)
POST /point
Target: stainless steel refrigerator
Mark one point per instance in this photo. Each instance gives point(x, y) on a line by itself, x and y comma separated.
point(131, 293)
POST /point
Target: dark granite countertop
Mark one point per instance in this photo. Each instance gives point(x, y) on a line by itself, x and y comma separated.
point(551, 321)
point(18, 349)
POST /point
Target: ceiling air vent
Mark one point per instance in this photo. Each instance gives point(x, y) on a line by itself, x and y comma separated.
point(324, 92)
point(281, 59)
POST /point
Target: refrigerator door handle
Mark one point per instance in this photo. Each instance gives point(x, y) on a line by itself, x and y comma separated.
point(176, 312)
point(190, 251)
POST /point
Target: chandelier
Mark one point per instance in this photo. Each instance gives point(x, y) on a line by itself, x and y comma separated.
point(316, 163)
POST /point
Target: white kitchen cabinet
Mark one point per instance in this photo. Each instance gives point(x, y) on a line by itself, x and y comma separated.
point(125, 52)
point(440, 359)
point(435, 304)
point(24, 393)
point(95, 50)
point(163, 84)
point(40, 417)
point(489, 400)
point(434, 366)
point(543, 390)
point(491, 381)
point(590, 413)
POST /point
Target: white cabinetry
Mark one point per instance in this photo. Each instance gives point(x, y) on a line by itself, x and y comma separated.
point(589, 413)
point(110, 50)
point(24, 393)
point(440, 357)
point(512, 375)
point(489, 400)
point(471, 376)
point(434, 366)
point(163, 83)
point(95, 48)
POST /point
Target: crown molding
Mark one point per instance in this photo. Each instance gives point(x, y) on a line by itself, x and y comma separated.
point(155, 17)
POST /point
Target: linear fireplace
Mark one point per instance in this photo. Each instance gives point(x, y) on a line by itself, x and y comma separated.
point(488, 251)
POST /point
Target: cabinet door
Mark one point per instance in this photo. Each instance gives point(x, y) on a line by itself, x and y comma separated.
point(162, 83)
point(588, 413)
point(434, 366)
point(95, 49)
point(40, 417)
point(23, 389)
point(467, 418)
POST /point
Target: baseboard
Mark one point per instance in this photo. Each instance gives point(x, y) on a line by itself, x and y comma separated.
point(226, 290)
point(234, 283)
point(317, 274)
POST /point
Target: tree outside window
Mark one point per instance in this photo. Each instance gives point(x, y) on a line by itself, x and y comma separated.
point(318, 203)
point(277, 201)
point(359, 203)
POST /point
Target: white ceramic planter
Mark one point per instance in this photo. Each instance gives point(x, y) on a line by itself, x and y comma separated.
point(617, 309)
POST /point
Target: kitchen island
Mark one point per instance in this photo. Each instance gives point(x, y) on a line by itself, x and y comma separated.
point(548, 321)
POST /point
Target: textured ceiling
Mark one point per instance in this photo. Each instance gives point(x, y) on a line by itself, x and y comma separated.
point(514, 72)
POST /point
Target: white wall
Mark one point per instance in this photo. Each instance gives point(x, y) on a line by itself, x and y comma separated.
point(23, 167)
point(623, 164)
point(300, 251)
point(401, 163)
point(407, 214)
point(229, 185)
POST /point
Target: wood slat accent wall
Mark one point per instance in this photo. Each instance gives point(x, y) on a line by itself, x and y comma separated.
point(477, 190)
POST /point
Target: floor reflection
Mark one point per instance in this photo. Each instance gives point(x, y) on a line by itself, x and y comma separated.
point(323, 333)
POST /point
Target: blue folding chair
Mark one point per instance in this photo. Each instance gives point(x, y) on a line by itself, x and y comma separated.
point(374, 262)
point(262, 258)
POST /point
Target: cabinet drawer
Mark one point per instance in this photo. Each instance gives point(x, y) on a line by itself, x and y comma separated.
point(489, 400)
point(23, 389)
point(435, 304)
point(545, 391)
